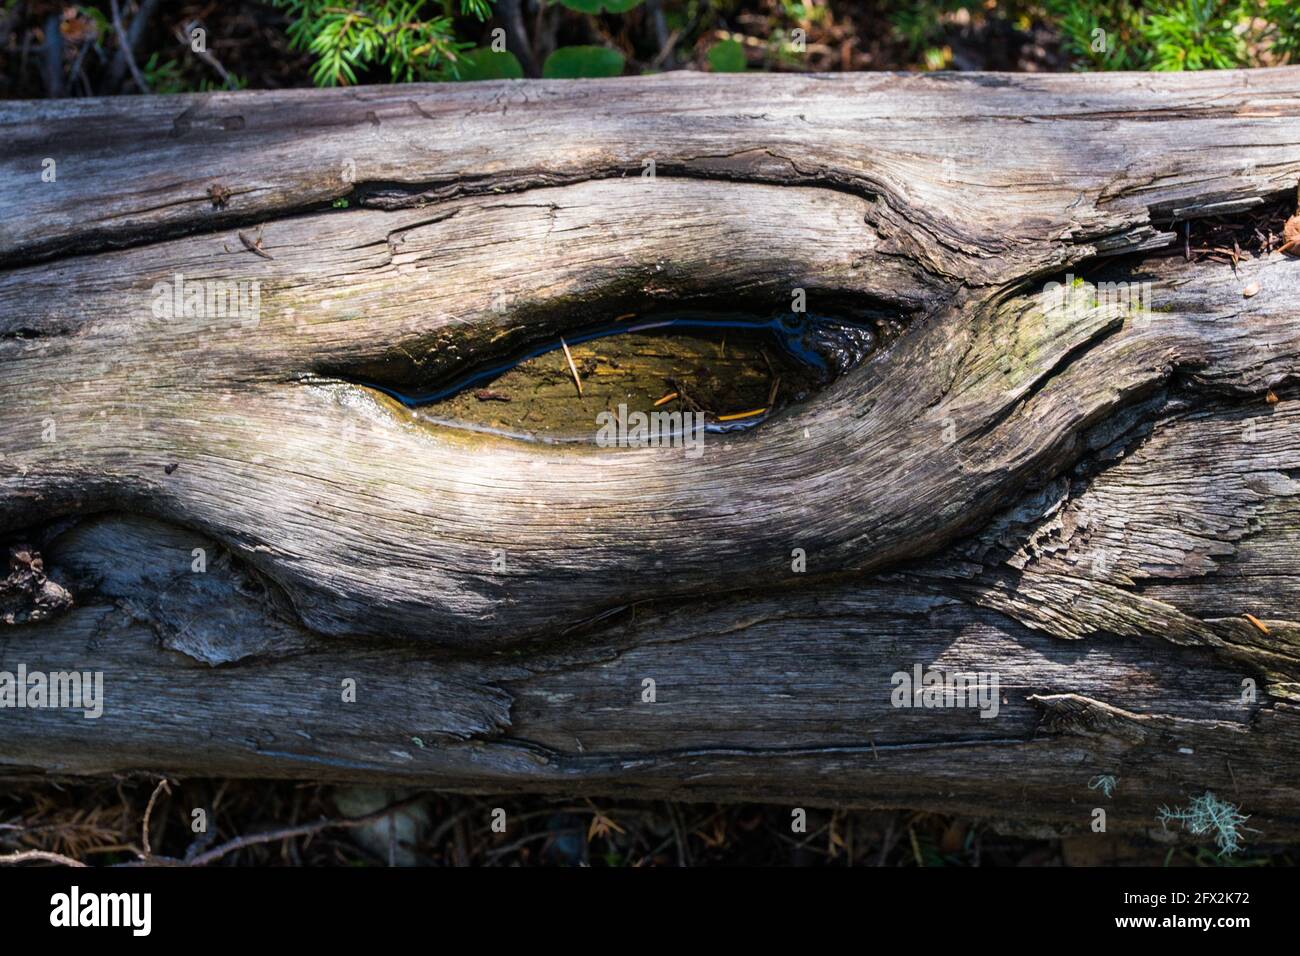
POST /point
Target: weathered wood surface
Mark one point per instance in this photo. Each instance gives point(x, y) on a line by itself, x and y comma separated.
point(1086, 503)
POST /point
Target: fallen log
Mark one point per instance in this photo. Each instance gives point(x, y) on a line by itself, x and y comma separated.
point(1068, 474)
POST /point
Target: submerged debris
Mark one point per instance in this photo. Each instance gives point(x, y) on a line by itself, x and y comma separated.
point(734, 370)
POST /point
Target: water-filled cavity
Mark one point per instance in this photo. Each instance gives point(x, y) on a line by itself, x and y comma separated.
point(733, 370)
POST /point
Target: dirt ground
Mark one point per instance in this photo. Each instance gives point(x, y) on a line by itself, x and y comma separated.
point(285, 824)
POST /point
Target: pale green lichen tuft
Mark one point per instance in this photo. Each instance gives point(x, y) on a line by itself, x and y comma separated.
point(1208, 814)
point(1103, 782)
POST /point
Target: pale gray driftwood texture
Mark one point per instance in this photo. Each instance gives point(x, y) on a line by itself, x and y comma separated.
point(1084, 502)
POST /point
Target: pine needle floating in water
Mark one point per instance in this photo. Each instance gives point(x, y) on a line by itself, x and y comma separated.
point(739, 415)
point(572, 368)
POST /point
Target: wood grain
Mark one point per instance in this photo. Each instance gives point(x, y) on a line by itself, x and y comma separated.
point(1085, 502)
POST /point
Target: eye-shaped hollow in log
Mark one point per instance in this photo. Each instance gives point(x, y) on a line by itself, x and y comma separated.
point(668, 373)
point(376, 524)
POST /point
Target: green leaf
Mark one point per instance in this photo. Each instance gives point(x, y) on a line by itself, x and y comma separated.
point(483, 63)
point(572, 62)
point(727, 56)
